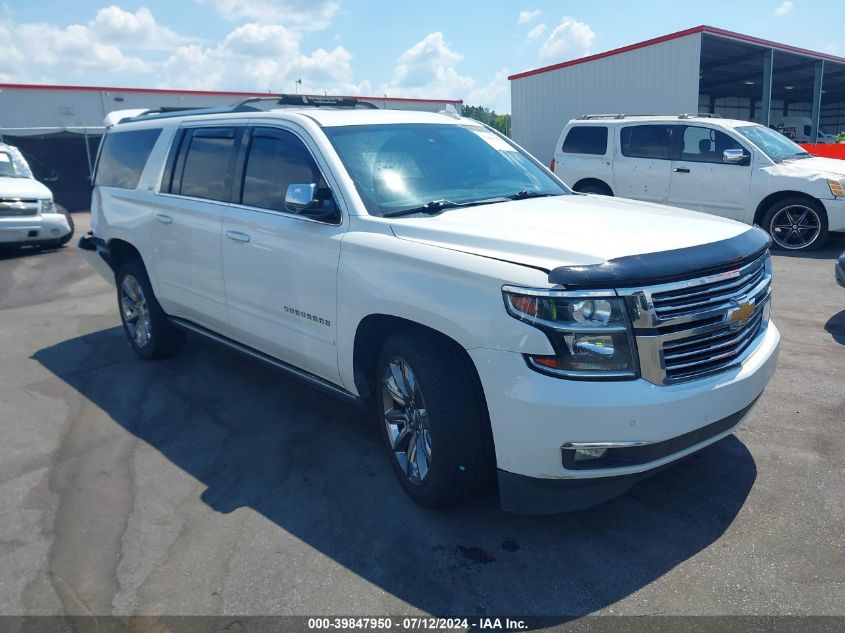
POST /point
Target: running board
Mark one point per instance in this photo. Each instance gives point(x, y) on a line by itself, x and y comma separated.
point(290, 370)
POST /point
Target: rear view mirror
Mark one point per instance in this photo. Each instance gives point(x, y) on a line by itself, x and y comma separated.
point(735, 157)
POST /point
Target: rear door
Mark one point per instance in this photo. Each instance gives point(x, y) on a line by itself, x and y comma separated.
point(642, 164)
point(280, 267)
point(583, 154)
point(702, 181)
point(187, 224)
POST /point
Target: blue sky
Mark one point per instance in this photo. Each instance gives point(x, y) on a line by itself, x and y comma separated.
point(428, 49)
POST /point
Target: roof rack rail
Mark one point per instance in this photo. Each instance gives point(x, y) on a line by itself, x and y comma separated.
point(588, 117)
point(699, 115)
point(297, 100)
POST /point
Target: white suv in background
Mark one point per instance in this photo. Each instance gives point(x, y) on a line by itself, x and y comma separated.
point(28, 214)
point(735, 169)
point(424, 267)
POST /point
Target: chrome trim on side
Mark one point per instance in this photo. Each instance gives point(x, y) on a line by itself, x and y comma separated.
point(291, 370)
point(574, 446)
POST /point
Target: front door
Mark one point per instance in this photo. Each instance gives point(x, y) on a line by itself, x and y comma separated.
point(280, 267)
point(702, 181)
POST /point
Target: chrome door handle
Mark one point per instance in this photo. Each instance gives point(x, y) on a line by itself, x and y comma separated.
point(237, 236)
point(163, 217)
point(681, 170)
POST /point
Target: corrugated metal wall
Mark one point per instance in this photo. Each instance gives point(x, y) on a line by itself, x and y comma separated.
point(658, 79)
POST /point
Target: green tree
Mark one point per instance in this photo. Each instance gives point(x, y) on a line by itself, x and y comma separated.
point(500, 122)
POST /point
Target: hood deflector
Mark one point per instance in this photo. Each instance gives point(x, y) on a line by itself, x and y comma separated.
point(665, 266)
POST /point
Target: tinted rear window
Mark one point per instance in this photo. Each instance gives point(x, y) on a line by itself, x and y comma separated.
point(586, 139)
point(123, 157)
point(207, 171)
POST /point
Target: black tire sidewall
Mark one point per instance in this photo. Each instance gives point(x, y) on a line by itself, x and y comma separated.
point(798, 200)
point(69, 217)
point(597, 190)
point(164, 338)
point(452, 409)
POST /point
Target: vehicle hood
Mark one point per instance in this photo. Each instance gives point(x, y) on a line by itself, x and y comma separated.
point(812, 168)
point(23, 188)
point(569, 230)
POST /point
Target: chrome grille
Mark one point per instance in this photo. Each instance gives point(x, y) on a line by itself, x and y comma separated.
point(697, 327)
point(18, 207)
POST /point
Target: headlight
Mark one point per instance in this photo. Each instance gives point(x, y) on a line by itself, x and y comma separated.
point(588, 330)
point(836, 187)
point(48, 206)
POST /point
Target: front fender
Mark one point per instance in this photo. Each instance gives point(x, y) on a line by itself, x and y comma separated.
point(454, 293)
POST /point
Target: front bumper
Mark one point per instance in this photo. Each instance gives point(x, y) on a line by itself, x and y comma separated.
point(840, 270)
point(534, 416)
point(835, 214)
point(33, 229)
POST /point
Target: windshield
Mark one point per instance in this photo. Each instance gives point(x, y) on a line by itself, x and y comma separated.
point(13, 164)
point(774, 144)
point(399, 167)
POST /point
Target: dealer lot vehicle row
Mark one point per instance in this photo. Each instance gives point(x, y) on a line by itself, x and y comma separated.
point(730, 168)
point(425, 267)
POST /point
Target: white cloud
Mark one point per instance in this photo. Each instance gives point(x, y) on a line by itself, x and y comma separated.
point(570, 38)
point(537, 31)
point(495, 95)
point(73, 49)
point(132, 30)
point(428, 69)
point(311, 15)
point(785, 7)
point(526, 16)
point(261, 57)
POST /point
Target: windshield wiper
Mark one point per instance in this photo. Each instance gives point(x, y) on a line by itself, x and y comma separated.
point(429, 208)
point(800, 155)
point(522, 195)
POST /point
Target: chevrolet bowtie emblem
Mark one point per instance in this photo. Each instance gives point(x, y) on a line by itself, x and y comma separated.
point(740, 314)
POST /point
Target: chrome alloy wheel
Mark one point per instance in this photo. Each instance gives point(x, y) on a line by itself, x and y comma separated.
point(406, 420)
point(795, 227)
point(136, 312)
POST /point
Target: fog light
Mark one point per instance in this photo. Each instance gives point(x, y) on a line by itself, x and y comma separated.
point(583, 454)
point(54, 232)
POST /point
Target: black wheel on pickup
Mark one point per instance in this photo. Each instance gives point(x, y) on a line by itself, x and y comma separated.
point(432, 418)
point(145, 324)
point(593, 186)
point(797, 223)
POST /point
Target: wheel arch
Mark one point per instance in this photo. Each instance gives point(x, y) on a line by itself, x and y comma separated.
point(593, 181)
point(120, 252)
point(767, 203)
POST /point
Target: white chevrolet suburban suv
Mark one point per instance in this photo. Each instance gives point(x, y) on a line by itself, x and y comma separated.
point(735, 169)
point(426, 268)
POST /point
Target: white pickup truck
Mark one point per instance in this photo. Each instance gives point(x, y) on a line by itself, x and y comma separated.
point(427, 269)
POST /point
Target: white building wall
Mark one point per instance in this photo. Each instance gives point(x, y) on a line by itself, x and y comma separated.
point(65, 108)
point(657, 79)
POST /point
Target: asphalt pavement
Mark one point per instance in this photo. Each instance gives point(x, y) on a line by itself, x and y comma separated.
point(210, 484)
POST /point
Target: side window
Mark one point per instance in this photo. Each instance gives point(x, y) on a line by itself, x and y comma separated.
point(647, 141)
point(123, 156)
point(706, 145)
point(204, 166)
point(586, 139)
point(275, 160)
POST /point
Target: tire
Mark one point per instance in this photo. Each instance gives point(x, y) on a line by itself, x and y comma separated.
point(69, 217)
point(785, 214)
point(145, 324)
point(595, 188)
point(447, 416)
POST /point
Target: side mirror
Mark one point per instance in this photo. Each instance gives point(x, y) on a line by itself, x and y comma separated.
point(300, 196)
point(735, 157)
point(306, 199)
